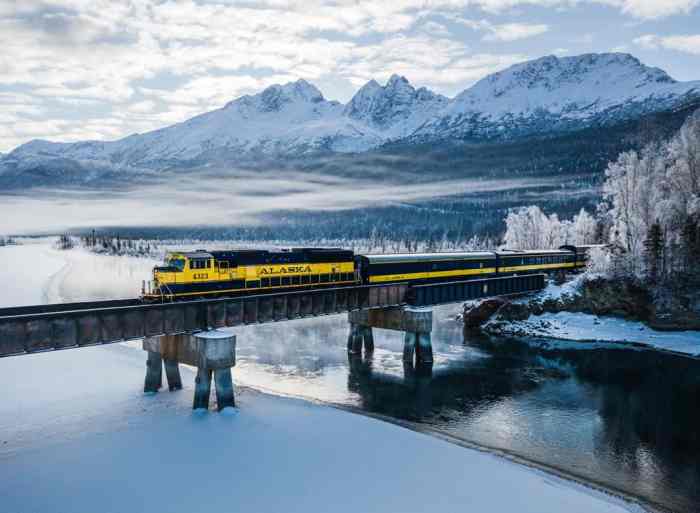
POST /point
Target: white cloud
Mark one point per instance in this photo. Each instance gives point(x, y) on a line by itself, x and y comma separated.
point(687, 44)
point(650, 9)
point(435, 29)
point(504, 32)
point(514, 31)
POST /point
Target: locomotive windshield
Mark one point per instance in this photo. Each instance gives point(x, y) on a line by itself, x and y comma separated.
point(178, 263)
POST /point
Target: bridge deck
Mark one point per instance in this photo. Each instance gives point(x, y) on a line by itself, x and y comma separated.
point(39, 328)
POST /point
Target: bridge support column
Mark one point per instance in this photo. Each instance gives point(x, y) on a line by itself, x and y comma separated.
point(154, 373)
point(212, 352)
point(419, 344)
point(360, 335)
point(416, 323)
point(172, 373)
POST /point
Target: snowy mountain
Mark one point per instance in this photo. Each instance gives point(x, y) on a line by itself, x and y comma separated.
point(543, 96)
point(395, 110)
point(551, 94)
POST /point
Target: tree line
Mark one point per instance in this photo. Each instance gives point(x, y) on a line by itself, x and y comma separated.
point(649, 215)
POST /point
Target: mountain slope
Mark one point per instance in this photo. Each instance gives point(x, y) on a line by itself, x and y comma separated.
point(542, 97)
point(554, 94)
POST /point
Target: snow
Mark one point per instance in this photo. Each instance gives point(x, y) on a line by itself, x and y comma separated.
point(295, 118)
point(87, 276)
point(573, 87)
point(26, 270)
point(215, 334)
point(77, 434)
point(555, 291)
point(585, 327)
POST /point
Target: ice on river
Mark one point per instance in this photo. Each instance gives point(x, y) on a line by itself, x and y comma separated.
point(78, 435)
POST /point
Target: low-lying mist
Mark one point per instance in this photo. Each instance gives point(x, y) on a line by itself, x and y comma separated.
point(210, 199)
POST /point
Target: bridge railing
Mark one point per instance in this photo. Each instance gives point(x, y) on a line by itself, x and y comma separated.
point(31, 331)
point(451, 292)
point(36, 328)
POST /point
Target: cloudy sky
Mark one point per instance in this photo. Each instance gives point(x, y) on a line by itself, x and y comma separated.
point(102, 69)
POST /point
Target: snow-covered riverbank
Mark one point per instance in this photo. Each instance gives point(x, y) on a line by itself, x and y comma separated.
point(591, 328)
point(78, 435)
point(545, 315)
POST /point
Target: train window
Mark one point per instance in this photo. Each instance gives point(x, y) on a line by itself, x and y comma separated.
point(252, 284)
point(305, 279)
point(314, 278)
point(200, 263)
point(296, 280)
point(275, 282)
point(178, 263)
point(325, 278)
point(265, 282)
point(286, 280)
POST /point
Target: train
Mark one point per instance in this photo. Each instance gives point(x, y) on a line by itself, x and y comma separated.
point(207, 274)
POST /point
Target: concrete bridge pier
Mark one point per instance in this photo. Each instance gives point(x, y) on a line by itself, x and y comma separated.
point(415, 322)
point(154, 373)
point(360, 335)
point(419, 344)
point(213, 353)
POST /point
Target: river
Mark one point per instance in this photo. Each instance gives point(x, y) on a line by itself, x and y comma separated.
point(622, 417)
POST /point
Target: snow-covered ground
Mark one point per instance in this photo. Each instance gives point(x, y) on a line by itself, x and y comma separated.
point(592, 328)
point(25, 271)
point(34, 272)
point(78, 435)
point(584, 327)
point(86, 276)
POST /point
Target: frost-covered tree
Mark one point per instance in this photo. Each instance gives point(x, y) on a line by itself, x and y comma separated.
point(599, 261)
point(530, 228)
point(633, 197)
point(654, 247)
point(583, 229)
point(526, 228)
point(659, 185)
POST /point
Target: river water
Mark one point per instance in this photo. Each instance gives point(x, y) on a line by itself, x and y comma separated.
point(623, 417)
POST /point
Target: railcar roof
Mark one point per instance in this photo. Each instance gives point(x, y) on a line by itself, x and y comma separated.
point(526, 252)
point(191, 254)
point(422, 257)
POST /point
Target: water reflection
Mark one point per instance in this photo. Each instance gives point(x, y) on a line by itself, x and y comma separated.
point(624, 417)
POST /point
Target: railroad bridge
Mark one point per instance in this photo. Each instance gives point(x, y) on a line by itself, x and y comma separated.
point(187, 331)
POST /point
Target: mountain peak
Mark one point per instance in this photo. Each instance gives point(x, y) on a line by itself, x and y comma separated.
point(560, 93)
point(551, 72)
point(396, 81)
point(396, 104)
point(275, 97)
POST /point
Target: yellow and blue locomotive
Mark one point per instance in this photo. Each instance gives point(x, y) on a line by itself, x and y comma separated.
point(201, 273)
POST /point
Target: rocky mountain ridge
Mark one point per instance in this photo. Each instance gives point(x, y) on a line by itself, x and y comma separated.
point(539, 97)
